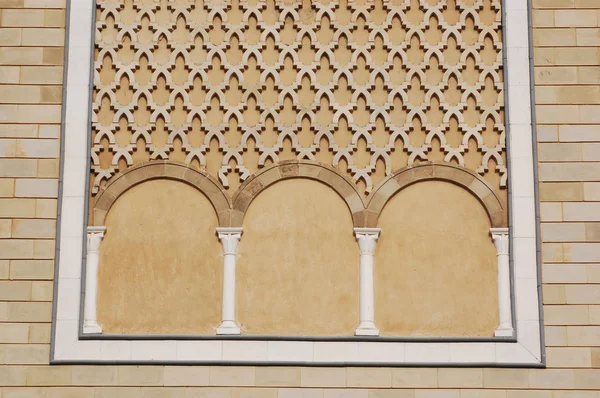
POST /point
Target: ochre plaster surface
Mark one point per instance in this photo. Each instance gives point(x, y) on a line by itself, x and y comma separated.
point(160, 262)
point(435, 264)
point(298, 263)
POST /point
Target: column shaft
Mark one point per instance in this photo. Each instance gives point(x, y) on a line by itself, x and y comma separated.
point(228, 288)
point(367, 306)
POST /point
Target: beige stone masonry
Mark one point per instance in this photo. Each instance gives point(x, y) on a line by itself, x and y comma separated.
point(568, 131)
point(30, 109)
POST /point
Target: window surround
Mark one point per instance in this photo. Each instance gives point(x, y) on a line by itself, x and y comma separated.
point(69, 345)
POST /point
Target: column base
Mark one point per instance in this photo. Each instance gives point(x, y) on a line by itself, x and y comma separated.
point(228, 327)
point(92, 328)
point(503, 331)
point(366, 329)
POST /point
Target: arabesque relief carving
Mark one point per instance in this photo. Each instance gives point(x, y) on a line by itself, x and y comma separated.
point(366, 86)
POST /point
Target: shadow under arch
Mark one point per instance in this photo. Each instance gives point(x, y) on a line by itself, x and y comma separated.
point(162, 170)
point(329, 176)
point(458, 175)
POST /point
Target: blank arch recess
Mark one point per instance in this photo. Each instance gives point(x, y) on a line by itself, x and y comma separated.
point(298, 265)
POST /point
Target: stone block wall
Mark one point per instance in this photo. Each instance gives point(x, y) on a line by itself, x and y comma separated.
point(31, 71)
point(567, 76)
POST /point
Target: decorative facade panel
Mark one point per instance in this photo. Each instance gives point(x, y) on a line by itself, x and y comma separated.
point(365, 86)
point(366, 97)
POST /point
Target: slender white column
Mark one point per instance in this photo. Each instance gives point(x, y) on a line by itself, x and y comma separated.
point(230, 238)
point(94, 237)
point(500, 237)
point(367, 239)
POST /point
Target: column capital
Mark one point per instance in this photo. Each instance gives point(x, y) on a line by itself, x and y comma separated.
point(367, 231)
point(230, 230)
point(500, 238)
point(96, 230)
point(499, 231)
point(229, 237)
point(367, 238)
point(94, 237)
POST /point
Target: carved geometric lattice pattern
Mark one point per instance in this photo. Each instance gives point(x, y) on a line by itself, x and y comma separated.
point(367, 86)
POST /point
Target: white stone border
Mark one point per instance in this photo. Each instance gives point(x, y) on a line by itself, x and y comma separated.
point(68, 348)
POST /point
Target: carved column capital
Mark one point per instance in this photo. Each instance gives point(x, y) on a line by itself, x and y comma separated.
point(229, 237)
point(500, 238)
point(367, 239)
point(94, 238)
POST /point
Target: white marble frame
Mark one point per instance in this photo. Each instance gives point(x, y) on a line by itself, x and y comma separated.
point(68, 348)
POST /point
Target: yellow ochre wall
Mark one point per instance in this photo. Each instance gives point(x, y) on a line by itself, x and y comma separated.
point(161, 257)
point(435, 264)
point(567, 37)
point(298, 263)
